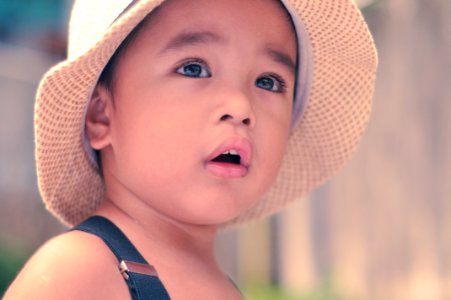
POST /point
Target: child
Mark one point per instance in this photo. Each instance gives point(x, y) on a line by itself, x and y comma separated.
point(171, 119)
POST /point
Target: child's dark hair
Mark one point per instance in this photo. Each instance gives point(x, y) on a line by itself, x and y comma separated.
point(106, 78)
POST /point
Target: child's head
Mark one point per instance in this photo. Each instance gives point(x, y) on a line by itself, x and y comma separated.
point(198, 79)
point(194, 111)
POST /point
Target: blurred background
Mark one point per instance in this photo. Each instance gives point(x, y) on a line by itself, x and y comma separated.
point(381, 229)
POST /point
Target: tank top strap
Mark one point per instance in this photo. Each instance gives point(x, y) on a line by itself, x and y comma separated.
point(141, 277)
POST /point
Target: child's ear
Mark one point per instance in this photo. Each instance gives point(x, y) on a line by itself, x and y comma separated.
point(98, 118)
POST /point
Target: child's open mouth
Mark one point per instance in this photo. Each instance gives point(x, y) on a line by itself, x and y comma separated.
point(231, 159)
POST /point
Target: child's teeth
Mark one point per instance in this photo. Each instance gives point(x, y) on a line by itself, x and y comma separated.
point(231, 152)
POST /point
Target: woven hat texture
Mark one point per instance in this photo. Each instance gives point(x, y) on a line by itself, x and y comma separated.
point(344, 65)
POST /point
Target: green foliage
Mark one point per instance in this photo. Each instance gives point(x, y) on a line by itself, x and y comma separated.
point(11, 260)
point(265, 293)
point(325, 291)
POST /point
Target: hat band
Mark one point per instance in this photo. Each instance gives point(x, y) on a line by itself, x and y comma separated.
point(127, 8)
point(304, 72)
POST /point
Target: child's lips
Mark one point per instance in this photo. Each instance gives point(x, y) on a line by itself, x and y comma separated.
point(239, 145)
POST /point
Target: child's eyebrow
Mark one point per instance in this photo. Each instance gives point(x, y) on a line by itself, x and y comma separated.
point(281, 58)
point(191, 38)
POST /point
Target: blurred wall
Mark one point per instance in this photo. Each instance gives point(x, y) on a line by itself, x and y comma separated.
point(32, 38)
point(382, 228)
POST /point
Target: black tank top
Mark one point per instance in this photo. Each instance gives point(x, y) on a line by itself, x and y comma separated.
point(141, 278)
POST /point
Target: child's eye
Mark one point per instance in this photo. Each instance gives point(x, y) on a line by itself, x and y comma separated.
point(271, 83)
point(196, 69)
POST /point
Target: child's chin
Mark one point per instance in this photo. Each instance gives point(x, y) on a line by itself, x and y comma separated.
point(213, 219)
point(213, 213)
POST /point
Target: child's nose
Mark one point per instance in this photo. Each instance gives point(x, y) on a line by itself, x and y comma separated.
point(246, 121)
point(237, 109)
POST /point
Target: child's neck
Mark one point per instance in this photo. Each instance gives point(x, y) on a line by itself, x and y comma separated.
point(177, 251)
point(149, 229)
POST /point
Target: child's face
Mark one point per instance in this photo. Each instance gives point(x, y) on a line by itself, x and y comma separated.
point(202, 78)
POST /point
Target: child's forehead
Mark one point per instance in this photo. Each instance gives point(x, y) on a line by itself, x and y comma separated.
point(196, 10)
point(262, 24)
point(218, 21)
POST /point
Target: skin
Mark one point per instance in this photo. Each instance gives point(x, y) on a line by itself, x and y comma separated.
point(172, 106)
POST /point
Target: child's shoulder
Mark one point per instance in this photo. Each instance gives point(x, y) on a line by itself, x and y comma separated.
point(74, 265)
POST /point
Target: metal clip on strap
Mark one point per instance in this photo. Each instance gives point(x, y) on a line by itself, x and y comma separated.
point(126, 266)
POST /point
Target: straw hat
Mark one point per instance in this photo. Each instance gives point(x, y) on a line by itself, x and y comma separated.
point(339, 88)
